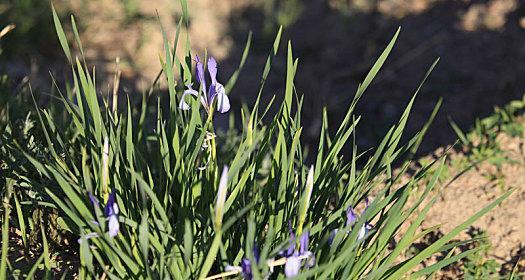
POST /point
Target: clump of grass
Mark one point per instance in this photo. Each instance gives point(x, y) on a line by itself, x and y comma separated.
point(481, 142)
point(161, 201)
point(479, 265)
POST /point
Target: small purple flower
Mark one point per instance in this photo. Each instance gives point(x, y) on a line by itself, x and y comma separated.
point(351, 217)
point(292, 266)
point(246, 264)
point(246, 267)
point(294, 257)
point(111, 212)
point(216, 89)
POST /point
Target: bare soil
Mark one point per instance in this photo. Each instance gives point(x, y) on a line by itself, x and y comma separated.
point(462, 196)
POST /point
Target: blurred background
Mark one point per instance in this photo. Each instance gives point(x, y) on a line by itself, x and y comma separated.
point(480, 43)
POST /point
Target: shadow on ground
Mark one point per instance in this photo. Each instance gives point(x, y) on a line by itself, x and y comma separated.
point(480, 43)
point(480, 67)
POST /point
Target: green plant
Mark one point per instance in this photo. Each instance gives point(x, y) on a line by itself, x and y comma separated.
point(179, 200)
point(478, 265)
point(481, 143)
point(281, 13)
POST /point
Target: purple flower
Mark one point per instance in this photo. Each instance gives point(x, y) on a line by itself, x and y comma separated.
point(351, 217)
point(111, 212)
point(294, 257)
point(303, 242)
point(292, 266)
point(216, 89)
point(246, 267)
point(246, 264)
point(363, 231)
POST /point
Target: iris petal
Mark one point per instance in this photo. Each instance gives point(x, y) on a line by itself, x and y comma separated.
point(200, 73)
point(310, 259)
point(364, 230)
point(93, 199)
point(113, 226)
point(351, 217)
point(108, 210)
point(212, 69)
point(246, 267)
point(292, 266)
point(223, 103)
point(183, 105)
point(303, 242)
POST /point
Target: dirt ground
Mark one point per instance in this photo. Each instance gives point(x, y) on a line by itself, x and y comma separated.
point(478, 187)
point(462, 196)
point(480, 43)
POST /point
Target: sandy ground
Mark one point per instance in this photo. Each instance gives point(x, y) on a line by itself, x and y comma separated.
point(462, 197)
point(480, 44)
point(476, 188)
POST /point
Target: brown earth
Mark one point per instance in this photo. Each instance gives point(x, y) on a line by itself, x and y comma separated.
point(478, 187)
point(463, 194)
point(480, 44)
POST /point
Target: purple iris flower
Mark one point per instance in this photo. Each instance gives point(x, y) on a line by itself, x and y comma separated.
point(216, 89)
point(246, 267)
point(363, 231)
point(246, 264)
point(292, 266)
point(293, 258)
point(351, 218)
point(111, 212)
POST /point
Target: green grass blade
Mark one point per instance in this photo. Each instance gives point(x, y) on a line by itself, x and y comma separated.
point(61, 35)
point(427, 252)
point(5, 233)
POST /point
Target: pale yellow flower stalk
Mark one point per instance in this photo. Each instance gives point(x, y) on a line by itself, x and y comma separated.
point(221, 197)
